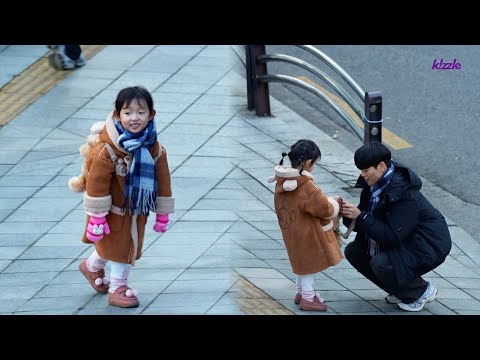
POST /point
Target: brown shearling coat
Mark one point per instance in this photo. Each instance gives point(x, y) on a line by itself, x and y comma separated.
point(105, 192)
point(305, 217)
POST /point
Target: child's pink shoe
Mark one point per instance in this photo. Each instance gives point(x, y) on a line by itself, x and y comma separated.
point(97, 279)
point(315, 305)
point(123, 297)
point(298, 298)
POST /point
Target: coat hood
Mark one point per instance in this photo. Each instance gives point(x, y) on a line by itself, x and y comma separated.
point(289, 178)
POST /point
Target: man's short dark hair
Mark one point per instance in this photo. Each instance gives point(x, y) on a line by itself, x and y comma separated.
point(372, 154)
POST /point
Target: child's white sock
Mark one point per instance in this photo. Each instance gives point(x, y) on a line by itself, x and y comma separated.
point(118, 275)
point(307, 281)
point(95, 262)
point(298, 284)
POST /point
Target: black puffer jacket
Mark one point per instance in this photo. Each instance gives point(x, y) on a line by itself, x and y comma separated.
point(405, 225)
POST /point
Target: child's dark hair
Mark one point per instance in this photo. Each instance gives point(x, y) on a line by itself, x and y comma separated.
point(372, 154)
point(126, 95)
point(301, 151)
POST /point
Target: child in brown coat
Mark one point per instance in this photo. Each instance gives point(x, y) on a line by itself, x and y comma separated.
point(128, 176)
point(305, 217)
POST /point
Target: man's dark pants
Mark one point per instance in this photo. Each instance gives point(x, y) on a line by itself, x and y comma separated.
point(379, 270)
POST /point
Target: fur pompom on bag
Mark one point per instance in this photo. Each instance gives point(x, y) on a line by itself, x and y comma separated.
point(78, 183)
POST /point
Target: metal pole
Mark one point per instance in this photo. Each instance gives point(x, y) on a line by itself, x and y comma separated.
point(262, 97)
point(251, 78)
point(373, 117)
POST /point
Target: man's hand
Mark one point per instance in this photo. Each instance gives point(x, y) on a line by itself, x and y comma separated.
point(349, 210)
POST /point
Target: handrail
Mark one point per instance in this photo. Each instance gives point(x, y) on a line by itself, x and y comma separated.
point(332, 64)
point(315, 91)
point(293, 60)
point(256, 60)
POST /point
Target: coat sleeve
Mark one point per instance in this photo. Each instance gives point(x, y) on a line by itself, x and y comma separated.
point(400, 223)
point(97, 198)
point(321, 206)
point(165, 201)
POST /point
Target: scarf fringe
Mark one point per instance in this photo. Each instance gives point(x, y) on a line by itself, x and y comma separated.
point(142, 201)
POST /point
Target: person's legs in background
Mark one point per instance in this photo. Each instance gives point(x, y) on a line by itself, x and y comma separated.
point(65, 57)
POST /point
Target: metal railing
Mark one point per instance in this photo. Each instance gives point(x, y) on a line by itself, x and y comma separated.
point(258, 78)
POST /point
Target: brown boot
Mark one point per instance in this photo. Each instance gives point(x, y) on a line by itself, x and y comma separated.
point(92, 276)
point(119, 298)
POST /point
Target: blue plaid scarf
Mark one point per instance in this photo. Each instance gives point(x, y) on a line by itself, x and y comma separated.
point(140, 182)
point(376, 190)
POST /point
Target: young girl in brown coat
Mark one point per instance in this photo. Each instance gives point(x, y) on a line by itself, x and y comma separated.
point(128, 176)
point(305, 216)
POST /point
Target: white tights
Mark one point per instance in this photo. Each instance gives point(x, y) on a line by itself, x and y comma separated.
point(305, 286)
point(95, 262)
point(118, 271)
point(118, 275)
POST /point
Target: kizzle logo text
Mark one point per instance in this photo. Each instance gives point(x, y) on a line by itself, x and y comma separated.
point(441, 65)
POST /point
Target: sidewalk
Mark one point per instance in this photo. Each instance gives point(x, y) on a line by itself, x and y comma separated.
point(223, 254)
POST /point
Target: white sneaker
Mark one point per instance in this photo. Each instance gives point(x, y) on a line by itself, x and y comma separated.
point(428, 296)
point(392, 299)
point(80, 61)
point(58, 60)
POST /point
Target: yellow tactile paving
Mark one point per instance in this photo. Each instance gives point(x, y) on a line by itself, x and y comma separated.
point(32, 83)
point(253, 301)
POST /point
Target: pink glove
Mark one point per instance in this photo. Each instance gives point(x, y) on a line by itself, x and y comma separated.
point(97, 226)
point(161, 224)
